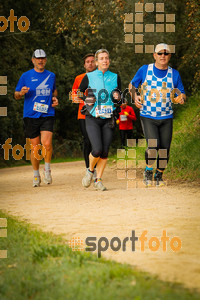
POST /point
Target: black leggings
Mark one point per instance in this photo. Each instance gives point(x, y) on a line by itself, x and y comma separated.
point(86, 142)
point(100, 135)
point(159, 132)
point(125, 134)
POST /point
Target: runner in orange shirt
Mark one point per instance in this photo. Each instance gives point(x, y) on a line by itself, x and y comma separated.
point(89, 65)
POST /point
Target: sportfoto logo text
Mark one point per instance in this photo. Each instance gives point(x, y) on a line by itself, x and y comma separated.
point(23, 22)
point(116, 244)
point(18, 151)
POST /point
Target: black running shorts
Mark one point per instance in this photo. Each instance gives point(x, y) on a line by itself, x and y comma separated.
point(33, 126)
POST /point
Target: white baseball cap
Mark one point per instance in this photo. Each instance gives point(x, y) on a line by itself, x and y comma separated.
point(39, 53)
point(160, 47)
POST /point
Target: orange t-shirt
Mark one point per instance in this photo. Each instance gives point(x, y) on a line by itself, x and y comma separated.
point(75, 87)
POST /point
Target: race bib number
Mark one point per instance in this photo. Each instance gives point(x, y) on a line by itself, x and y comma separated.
point(40, 107)
point(123, 118)
point(104, 111)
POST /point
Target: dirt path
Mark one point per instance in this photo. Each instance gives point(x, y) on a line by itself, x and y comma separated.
point(66, 207)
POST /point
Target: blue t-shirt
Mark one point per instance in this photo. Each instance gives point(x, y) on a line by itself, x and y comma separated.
point(42, 85)
point(140, 76)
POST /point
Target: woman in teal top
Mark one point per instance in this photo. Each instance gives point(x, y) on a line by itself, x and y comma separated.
point(102, 88)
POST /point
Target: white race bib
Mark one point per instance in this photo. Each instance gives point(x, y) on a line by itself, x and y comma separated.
point(104, 111)
point(40, 107)
point(123, 118)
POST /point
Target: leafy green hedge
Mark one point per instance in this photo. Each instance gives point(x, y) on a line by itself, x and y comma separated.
point(185, 149)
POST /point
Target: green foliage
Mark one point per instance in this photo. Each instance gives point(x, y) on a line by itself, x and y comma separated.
point(67, 30)
point(190, 58)
point(184, 161)
point(41, 252)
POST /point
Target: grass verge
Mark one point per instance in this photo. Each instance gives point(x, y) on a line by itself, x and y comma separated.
point(41, 266)
point(184, 161)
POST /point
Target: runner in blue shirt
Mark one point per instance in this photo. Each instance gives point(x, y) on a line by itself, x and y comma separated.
point(159, 84)
point(39, 88)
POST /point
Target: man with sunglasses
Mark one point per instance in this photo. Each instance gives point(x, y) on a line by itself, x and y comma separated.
point(158, 81)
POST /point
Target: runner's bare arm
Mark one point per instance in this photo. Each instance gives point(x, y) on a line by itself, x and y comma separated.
point(19, 95)
point(55, 99)
point(55, 93)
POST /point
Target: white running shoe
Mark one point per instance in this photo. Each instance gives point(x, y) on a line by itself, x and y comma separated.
point(94, 174)
point(36, 181)
point(87, 179)
point(47, 177)
point(99, 185)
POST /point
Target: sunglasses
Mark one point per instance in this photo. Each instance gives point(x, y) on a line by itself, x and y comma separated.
point(165, 53)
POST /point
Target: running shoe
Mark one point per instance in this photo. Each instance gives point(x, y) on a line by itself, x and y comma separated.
point(158, 179)
point(36, 181)
point(148, 176)
point(94, 174)
point(99, 185)
point(87, 179)
point(47, 177)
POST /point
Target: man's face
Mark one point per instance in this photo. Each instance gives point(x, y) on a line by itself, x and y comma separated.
point(103, 61)
point(89, 64)
point(161, 58)
point(39, 63)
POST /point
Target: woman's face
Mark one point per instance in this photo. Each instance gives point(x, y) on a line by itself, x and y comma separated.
point(103, 62)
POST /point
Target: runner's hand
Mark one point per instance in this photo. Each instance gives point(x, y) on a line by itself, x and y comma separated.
point(117, 122)
point(116, 95)
point(138, 103)
point(183, 98)
point(24, 90)
point(90, 100)
point(126, 113)
point(54, 101)
point(179, 99)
